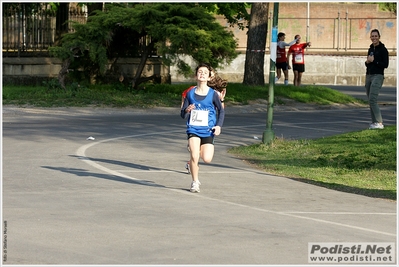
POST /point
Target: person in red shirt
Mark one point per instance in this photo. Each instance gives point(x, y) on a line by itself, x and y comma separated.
point(281, 60)
point(298, 59)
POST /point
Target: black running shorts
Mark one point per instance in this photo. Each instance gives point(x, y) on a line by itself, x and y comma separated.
point(204, 140)
point(299, 67)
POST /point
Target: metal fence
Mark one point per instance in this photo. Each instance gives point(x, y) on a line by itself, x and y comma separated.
point(30, 29)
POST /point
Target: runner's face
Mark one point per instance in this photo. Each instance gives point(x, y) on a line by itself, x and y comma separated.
point(203, 74)
point(375, 39)
point(298, 39)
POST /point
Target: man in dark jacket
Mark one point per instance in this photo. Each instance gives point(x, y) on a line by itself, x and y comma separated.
point(377, 61)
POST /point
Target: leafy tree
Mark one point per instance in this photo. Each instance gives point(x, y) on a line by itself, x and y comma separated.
point(234, 13)
point(171, 29)
point(388, 7)
point(256, 23)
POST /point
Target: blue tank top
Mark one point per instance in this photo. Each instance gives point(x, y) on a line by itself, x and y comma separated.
point(203, 118)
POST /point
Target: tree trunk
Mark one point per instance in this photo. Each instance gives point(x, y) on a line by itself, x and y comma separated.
point(256, 45)
point(144, 56)
point(63, 72)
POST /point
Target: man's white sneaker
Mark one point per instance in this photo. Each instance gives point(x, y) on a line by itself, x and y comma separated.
point(188, 167)
point(195, 187)
point(376, 125)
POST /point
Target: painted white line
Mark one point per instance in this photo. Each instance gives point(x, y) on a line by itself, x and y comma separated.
point(341, 213)
point(298, 216)
point(179, 171)
point(81, 153)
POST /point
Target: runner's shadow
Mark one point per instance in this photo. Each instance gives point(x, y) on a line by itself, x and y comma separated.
point(85, 173)
point(129, 165)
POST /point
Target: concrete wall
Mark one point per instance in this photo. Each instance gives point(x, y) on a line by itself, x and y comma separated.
point(320, 69)
point(34, 70)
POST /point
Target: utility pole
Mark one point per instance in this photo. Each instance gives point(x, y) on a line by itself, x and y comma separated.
point(268, 134)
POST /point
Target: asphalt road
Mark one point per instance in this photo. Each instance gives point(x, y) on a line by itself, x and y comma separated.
point(387, 95)
point(123, 197)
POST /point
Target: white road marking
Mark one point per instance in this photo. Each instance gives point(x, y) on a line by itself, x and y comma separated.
point(81, 153)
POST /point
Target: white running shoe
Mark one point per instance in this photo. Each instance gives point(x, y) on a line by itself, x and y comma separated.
point(275, 79)
point(188, 167)
point(195, 186)
point(376, 125)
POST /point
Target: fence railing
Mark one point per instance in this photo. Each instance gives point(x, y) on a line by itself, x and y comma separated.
point(30, 29)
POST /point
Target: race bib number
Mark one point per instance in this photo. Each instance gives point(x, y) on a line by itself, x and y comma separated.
point(298, 58)
point(199, 117)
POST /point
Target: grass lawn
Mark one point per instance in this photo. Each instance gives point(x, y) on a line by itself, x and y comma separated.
point(164, 95)
point(362, 162)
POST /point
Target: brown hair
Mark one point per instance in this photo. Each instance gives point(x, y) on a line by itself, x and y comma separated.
point(217, 83)
point(375, 30)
